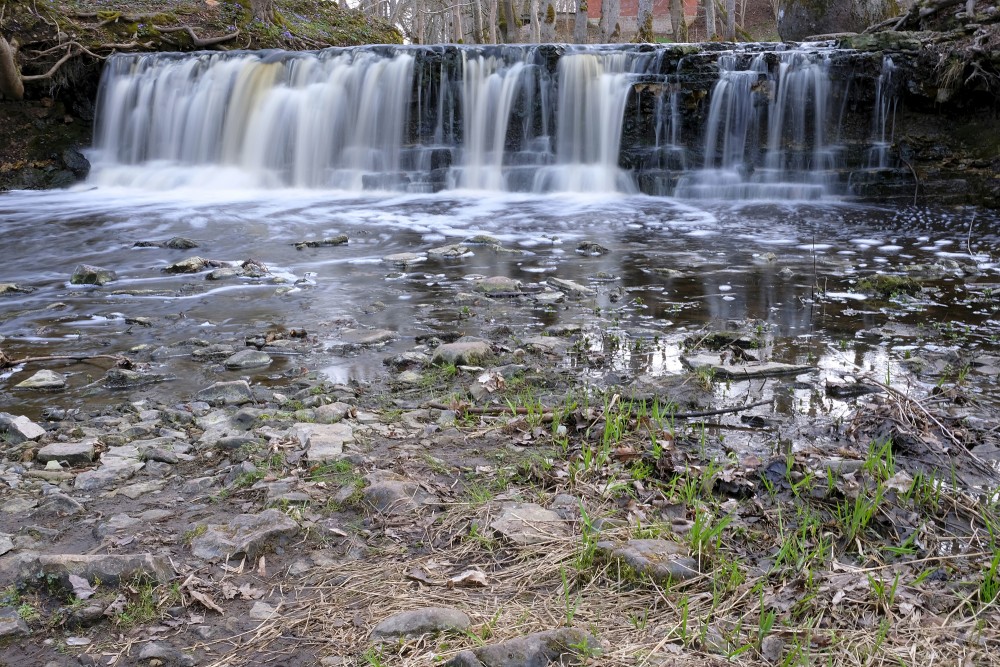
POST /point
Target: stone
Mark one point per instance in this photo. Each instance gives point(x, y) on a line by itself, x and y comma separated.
point(59, 504)
point(451, 251)
point(498, 285)
point(565, 646)
point(6, 543)
point(123, 378)
point(570, 287)
point(528, 523)
point(395, 495)
point(76, 162)
point(111, 569)
point(323, 243)
point(416, 622)
point(167, 656)
point(11, 623)
point(248, 359)
point(12, 288)
point(591, 248)
point(662, 560)
point(742, 371)
point(367, 338)
point(18, 429)
point(246, 534)
point(85, 274)
point(189, 265)
point(134, 491)
point(331, 413)
point(73, 453)
point(237, 392)
point(465, 351)
point(324, 442)
point(224, 273)
point(216, 352)
point(44, 380)
point(404, 259)
point(261, 611)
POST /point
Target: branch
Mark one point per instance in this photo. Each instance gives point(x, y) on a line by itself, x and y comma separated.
point(121, 362)
point(195, 39)
point(59, 63)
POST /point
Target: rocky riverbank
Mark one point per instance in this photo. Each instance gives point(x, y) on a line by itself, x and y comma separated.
point(484, 504)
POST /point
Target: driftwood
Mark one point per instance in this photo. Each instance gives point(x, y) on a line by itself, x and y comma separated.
point(120, 361)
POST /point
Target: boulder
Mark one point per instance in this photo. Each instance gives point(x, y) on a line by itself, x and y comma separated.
point(465, 351)
point(18, 429)
point(246, 534)
point(85, 274)
point(416, 622)
point(44, 380)
point(73, 453)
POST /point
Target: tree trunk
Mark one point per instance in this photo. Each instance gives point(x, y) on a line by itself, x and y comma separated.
point(548, 24)
point(677, 21)
point(580, 30)
point(731, 20)
point(511, 23)
point(418, 22)
point(645, 18)
point(477, 22)
point(709, 6)
point(10, 76)
point(493, 20)
point(263, 11)
point(610, 30)
point(459, 33)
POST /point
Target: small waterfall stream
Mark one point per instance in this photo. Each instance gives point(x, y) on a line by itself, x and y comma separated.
point(758, 121)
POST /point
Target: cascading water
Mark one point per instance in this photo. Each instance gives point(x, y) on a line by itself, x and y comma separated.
point(883, 118)
point(533, 118)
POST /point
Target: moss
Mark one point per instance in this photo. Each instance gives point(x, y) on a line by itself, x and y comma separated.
point(550, 14)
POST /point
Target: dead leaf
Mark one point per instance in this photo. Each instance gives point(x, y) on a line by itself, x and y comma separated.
point(417, 574)
point(248, 592)
point(262, 567)
point(468, 579)
point(206, 600)
point(81, 587)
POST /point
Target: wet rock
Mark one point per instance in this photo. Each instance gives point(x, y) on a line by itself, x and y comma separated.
point(85, 274)
point(247, 359)
point(745, 371)
point(662, 560)
point(189, 265)
point(424, 621)
point(528, 523)
point(11, 623)
point(591, 248)
point(246, 534)
point(571, 288)
point(224, 273)
point(13, 288)
point(163, 655)
point(464, 352)
point(451, 251)
point(216, 352)
point(59, 504)
point(498, 285)
point(18, 429)
point(324, 442)
point(566, 646)
point(395, 495)
point(123, 378)
point(237, 392)
point(6, 543)
point(180, 243)
point(44, 380)
point(404, 259)
point(323, 243)
point(367, 338)
point(73, 453)
point(546, 344)
point(76, 162)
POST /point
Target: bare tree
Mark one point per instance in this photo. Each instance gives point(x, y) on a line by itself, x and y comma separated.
point(731, 20)
point(677, 22)
point(511, 27)
point(580, 29)
point(709, 6)
point(548, 22)
point(609, 28)
point(645, 19)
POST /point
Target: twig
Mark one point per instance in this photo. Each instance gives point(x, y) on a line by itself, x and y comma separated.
point(916, 179)
point(59, 63)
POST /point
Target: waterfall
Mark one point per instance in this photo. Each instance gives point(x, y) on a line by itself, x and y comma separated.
point(883, 116)
point(752, 123)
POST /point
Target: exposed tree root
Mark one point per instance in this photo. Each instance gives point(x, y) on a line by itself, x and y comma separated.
point(199, 41)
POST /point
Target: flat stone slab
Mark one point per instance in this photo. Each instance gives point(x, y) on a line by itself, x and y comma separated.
point(324, 442)
point(498, 285)
point(451, 251)
point(660, 559)
point(11, 624)
point(757, 369)
point(247, 359)
point(110, 569)
point(416, 622)
point(463, 352)
point(237, 392)
point(44, 380)
point(73, 453)
point(394, 495)
point(246, 534)
point(18, 429)
point(566, 646)
point(367, 337)
point(404, 258)
point(571, 287)
point(528, 523)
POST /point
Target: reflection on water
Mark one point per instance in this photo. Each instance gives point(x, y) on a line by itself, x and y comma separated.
point(789, 270)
